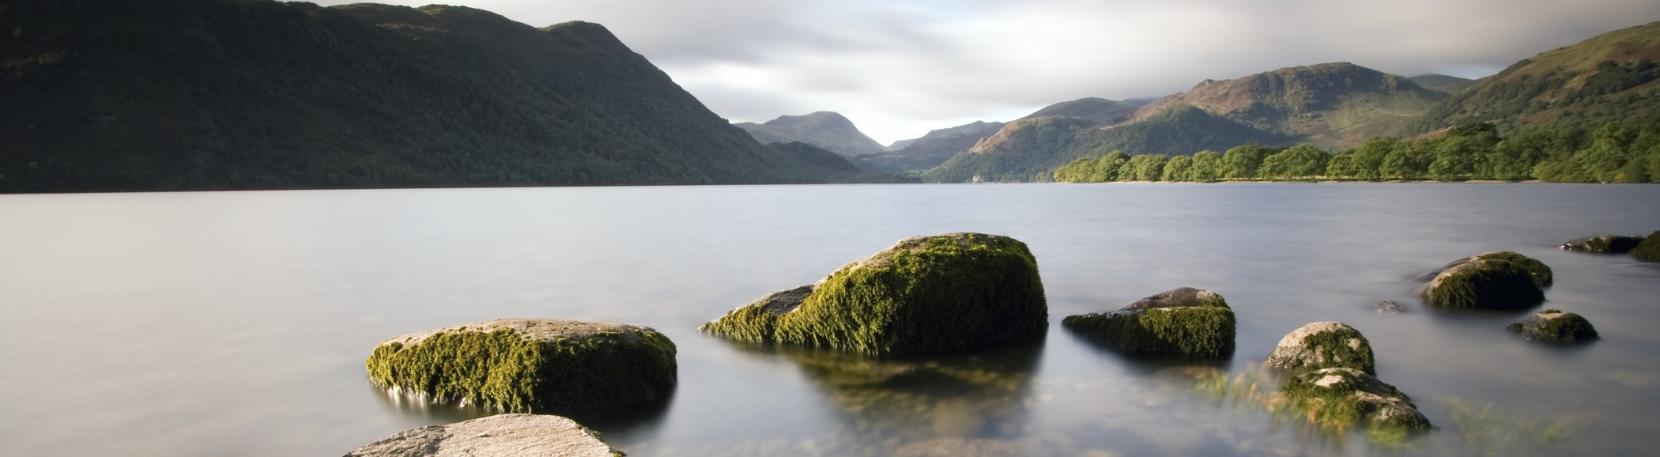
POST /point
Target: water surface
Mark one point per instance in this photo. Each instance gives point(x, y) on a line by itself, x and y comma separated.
point(236, 323)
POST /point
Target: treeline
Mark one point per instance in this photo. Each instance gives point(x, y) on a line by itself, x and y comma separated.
point(1623, 153)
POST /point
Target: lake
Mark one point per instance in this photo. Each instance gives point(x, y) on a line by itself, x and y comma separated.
point(236, 323)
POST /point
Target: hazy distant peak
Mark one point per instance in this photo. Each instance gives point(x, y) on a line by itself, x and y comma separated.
point(825, 129)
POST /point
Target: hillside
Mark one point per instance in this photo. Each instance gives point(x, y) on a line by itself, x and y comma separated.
point(1443, 83)
point(929, 150)
point(253, 94)
point(1332, 105)
point(823, 129)
point(1098, 110)
point(1031, 148)
point(1610, 77)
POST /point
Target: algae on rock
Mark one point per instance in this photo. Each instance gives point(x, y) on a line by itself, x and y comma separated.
point(1339, 397)
point(1554, 326)
point(531, 365)
point(1603, 244)
point(1318, 345)
point(925, 295)
point(1494, 280)
point(1180, 323)
point(1649, 249)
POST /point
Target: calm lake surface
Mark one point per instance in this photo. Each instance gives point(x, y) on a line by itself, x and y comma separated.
point(236, 323)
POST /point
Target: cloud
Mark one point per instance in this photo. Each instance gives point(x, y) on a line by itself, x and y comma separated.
point(901, 68)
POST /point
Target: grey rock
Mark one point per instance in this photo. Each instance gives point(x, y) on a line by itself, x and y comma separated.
point(499, 435)
point(1554, 326)
point(1320, 345)
point(1603, 244)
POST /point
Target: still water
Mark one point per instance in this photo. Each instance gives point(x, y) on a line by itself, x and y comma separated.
point(236, 323)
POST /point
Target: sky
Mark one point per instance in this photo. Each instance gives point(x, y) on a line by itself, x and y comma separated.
point(898, 68)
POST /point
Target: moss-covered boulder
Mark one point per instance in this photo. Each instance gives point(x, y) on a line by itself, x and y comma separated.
point(1320, 345)
point(531, 365)
point(1603, 244)
point(502, 434)
point(1180, 323)
point(925, 295)
point(1494, 280)
point(1649, 249)
point(1554, 326)
point(1339, 397)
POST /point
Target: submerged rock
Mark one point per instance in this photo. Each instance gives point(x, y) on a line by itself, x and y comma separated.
point(1183, 323)
point(504, 434)
point(1389, 307)
point(531, 365)
point(925, 295)
point(1555, 327)
point(1320, 345)
point(1494, 280)
point(1649, 249)
point(1603, 244)
point(1340, 396)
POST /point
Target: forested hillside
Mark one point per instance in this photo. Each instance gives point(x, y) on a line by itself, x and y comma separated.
point(253, 94)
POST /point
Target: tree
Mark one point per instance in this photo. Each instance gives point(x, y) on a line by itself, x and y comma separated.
point(1241, 162)
point(1207, 166)
point(1301, 161)
point(1180, 168)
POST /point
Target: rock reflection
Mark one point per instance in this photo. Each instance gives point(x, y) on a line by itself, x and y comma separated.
point(641, 421)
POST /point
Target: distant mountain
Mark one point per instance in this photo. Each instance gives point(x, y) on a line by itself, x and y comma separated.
point(1611, 77)
point(1098, 110)
point(823, 129)
point(834, 164)
point(254, 94)
point(929, 150)
point(1332, 105)
point(1031, 148)
point(1443, 83)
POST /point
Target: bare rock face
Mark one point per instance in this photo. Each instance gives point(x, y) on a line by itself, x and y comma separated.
point(500, 435)
point(1321, 345)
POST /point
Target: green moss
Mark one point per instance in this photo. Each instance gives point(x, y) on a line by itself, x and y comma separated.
point(749, 324)
point(1504, 280)
point(502, 370)
point(1353, 399)
point(1554, 326)
point(1333, 345)
point(1199, 332)
point(1649, 249)
point(927, 295)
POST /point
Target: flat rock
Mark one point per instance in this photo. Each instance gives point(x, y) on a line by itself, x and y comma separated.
point(530, 365)
point(1179, 323)
point(499, 435)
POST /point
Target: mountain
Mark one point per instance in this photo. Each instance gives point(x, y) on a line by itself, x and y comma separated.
point(253, 94)
point(1443, 83)
point(929, 150)
point(1611, 77)
point(1332, 105)
point(1098, 110)
point(823, 129)
point(1031, 148)
point(834, 163)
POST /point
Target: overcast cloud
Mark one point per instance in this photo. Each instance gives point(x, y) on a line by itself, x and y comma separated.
point(901, 68)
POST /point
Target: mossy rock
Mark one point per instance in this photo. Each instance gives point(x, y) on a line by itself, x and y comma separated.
point(1181, 323)
point(1603, 244)
point(502, 434)
point(531, 365)
point(1495, 280)
point(1321, 345)
point(925, 295)
point(1649, 249)
point(1338, 398)
point(1554, 326)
